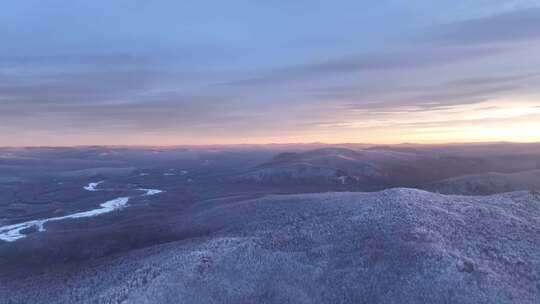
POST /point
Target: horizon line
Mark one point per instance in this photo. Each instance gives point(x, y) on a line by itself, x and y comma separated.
point(266, 144)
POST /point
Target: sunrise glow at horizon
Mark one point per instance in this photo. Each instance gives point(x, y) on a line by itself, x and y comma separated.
point(250, 72)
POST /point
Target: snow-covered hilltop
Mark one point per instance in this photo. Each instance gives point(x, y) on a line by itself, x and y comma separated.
point(329, 165)
point(488, 183)
point(394, 246)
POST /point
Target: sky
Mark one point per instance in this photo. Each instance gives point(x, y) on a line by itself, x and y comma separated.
point(187, 72)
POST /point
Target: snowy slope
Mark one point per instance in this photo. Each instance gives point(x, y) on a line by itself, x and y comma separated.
point(394, 246)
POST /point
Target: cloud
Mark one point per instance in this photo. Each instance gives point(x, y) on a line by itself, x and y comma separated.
point(69, 73)
point(103, 95)
point(418, 98)
point(410, 58)
point(438, 100)
point(426, 122)
point(509, 27)
point(76, 88)
point(535, 117)
point(461, 41)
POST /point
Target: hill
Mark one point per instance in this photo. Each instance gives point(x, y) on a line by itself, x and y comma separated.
point(381, 167)
point(331, 166)
point(488, 183)
point(393, 246)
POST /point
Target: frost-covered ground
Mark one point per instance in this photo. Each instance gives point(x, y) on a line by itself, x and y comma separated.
point(394, 246)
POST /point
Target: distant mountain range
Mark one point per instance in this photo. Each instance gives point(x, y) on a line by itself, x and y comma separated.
point(381, 167)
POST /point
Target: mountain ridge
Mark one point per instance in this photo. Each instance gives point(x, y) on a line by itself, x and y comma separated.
point(394, 246)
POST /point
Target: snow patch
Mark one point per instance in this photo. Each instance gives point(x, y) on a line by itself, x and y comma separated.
point(92, 186)
point(150, 192)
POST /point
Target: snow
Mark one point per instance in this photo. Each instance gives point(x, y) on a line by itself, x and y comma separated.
point(12, 233)
point(150, 192)
point(420, 246)
point(92, 186)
